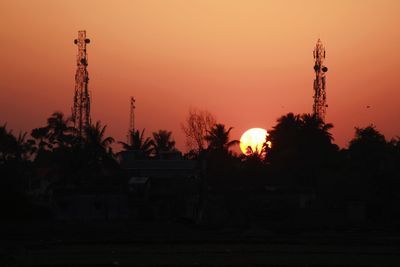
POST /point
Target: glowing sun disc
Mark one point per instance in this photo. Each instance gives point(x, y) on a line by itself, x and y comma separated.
point(254, 138)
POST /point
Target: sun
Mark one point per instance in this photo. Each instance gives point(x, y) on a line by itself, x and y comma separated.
point(254, 138)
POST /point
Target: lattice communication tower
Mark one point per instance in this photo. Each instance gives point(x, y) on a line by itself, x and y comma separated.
point(131, 120)
point(319, 107)
point(81, 109)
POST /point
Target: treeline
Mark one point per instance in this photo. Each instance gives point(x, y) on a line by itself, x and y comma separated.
point(302, 163)
point(58, 155)
point(302, 158)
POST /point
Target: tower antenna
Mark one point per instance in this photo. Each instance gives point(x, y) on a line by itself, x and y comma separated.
point(319, 107)
point(131, 120)
point(81, 109)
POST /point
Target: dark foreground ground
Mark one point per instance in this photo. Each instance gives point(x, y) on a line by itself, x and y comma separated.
point(174, 244)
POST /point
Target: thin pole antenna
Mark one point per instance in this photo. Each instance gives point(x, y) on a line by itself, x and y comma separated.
point(131, 120)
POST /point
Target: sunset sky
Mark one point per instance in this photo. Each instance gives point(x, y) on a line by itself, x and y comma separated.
point(247, 62)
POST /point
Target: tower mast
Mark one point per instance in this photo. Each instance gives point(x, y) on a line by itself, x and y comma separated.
point(131, 120)
point(319, 107)
point(81, 109)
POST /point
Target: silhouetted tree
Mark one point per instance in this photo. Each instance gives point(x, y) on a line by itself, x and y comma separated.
point(284, 137)
point(317, 139)
point(40, 137)
point(96, 141)
point(301, 139)
point(57, 134)
point(392, 165)
point(394, 153)
point(25, 148)
point(317, 128)
point(301, 148)
point(68, 158)
point(220, 161)
point(196, 127)
point(94, 157)
point(139, 144)
point(163, 142)
point(8, 145)
point(258, 155)
point(218, 138)
point(375, 171)
point(13, 148)
point(14, 168)
point(60, 131)
point(368, 147)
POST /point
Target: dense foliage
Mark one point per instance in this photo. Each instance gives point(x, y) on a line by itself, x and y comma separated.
point(302, 158)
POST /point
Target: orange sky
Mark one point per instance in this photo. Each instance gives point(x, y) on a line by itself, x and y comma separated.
point(247, 62)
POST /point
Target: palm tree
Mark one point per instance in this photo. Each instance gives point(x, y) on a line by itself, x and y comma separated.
point(41, 143)
point(60, 131)
point(317, 126)
point(301, 140)
point(96, 141)
point(138, 143)
point(163, 142)
point(257, 155)
point(7, 145)
point(220, 161)
point(25, 148)
point(13, 148)
point(218, 138)
point(284, 133)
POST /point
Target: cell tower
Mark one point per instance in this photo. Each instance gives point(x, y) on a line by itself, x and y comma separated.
point(320, 69)
point(81, 109)
point(131, 120)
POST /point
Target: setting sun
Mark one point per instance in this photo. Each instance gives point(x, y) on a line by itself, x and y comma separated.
point(254, 138)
